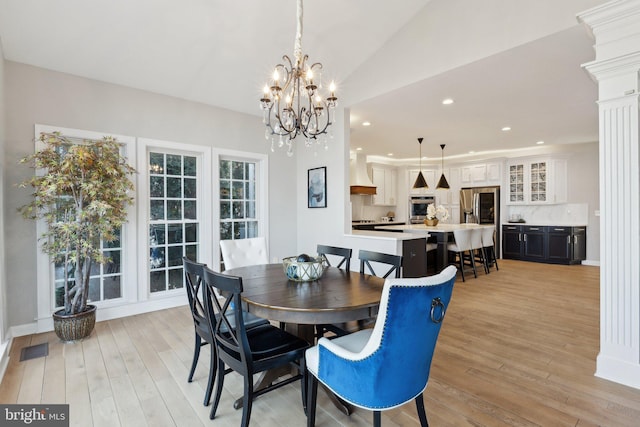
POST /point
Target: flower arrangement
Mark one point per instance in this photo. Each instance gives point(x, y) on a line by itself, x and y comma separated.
point(440, 212)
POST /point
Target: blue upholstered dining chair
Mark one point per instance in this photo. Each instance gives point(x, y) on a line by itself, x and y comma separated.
point(387, 366)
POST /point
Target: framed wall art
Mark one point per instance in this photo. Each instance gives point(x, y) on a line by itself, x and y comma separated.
point(317, 187)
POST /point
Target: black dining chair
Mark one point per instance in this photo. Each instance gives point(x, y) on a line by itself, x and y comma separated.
point(345, 260)
point(193, 273)
point(344, 253)
point(367, 257)
point(248, 351)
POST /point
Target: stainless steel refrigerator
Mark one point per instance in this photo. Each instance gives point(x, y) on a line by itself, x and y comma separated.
point(481, 205)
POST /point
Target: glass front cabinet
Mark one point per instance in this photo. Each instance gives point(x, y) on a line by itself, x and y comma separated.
point(539, 181)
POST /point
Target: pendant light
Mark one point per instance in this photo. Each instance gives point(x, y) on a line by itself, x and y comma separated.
point(442, 183)
point(420, 181)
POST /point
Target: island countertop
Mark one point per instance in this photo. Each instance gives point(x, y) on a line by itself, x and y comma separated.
point(422, 229)
point(388, 235)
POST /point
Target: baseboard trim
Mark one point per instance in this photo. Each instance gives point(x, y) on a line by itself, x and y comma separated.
point(591, 262)
point(619, 371)
point(5, 347)
point(104, 313)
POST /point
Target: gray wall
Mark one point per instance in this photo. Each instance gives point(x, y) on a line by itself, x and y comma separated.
point(35, 95)
point(3, 305)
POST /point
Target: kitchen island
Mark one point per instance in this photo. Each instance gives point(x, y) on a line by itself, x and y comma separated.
point(442, 232)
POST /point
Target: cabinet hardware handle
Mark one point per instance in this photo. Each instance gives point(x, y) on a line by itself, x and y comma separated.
point(568, 240)
point(519, 237)
point(525, 237)
point(558, 229)
point(575, 239)
point(534, 229)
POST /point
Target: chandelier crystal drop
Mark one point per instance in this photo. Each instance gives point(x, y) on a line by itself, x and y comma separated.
point(292, 102)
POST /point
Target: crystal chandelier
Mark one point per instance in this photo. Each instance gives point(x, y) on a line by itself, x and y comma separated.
point(292, 103)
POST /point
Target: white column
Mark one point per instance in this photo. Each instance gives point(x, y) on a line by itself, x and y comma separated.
point(616, 28)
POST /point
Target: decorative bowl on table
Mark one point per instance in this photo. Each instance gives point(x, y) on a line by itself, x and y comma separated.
point(431, 222)
point(303, 268)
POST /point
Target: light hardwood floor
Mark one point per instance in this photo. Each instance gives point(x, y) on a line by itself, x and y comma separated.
point(517, 348)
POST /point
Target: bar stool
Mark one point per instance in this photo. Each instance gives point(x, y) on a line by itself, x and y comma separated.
point(477, 248)
point(462, 248)
point(488, 242)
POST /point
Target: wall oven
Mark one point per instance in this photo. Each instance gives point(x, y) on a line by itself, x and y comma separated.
point(418, 208)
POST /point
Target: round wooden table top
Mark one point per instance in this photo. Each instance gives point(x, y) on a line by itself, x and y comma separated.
point(338, 296)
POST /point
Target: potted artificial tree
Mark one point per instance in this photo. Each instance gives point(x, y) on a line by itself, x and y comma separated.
point(81, 192)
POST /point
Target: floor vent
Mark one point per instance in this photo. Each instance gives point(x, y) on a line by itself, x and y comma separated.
point(34, 351)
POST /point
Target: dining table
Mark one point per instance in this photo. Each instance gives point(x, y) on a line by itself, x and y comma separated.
point(338, 296)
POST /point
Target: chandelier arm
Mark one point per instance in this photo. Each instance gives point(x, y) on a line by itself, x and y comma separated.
point(284, 131)
point(288, 71)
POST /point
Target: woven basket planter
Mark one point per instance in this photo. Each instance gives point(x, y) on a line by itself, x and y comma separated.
point(74, 327)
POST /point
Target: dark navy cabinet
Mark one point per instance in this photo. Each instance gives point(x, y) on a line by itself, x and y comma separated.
point(550, 244)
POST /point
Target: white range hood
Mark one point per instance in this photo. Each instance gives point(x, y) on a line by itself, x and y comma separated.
point(360, 182)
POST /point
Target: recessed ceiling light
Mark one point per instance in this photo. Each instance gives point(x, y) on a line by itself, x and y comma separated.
point(366, 123)
point(471, 152)
point(447, 101)
point(359, 149)
point(506, 129)
point(389, 154)
point(540, 142)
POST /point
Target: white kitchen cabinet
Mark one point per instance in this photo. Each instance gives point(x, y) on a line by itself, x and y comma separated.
point(494, 173)
point(536, 181)
point(452, 195)
point(454, 184)
point(385, 180)
point(477, 175)
point(450, 198)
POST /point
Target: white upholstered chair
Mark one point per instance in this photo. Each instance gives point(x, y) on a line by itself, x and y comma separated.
point(243, 252)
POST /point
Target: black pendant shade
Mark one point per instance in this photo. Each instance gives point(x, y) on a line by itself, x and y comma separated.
point(442, 183)
point(420, 181)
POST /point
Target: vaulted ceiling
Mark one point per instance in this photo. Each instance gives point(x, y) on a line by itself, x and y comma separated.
point(221, 52)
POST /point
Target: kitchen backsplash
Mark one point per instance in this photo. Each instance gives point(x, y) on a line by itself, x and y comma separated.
point(562, 214)
point(361, 208)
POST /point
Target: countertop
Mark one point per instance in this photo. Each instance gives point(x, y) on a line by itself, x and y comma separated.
point(546, 224)
point(421, 228)
point(387, 235)
point(395, 222)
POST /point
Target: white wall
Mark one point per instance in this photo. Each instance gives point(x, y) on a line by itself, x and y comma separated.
point(3, 301)
point(35, 95)
point(447, 34)
point(324, 225)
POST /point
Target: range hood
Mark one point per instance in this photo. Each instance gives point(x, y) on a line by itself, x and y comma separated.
point(360, 181)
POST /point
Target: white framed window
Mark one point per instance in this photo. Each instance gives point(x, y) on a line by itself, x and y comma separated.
point(241, 192)
point(174, 212)
point(110, 284)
